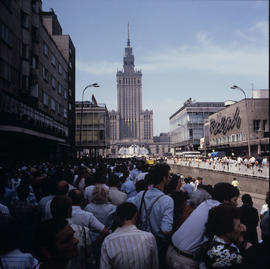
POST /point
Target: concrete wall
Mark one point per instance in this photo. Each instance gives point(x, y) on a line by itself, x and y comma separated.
point(246, 183)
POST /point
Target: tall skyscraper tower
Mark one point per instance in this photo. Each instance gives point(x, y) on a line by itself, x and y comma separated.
point(134, 125)
point(129, 96)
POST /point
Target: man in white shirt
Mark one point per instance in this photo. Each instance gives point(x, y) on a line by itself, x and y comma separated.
point(82, 217)
point(128, 247)
point(115, 196)
point(187, 240)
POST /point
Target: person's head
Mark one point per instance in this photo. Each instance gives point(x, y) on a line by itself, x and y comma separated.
point(198, 197)
point(200, 180)
point(174, 184)
point(114, 180)
point(61, 207)
point(207, 188)
point(55, 241)
point(160, 174)
point(226, 193)
point(100, 194)
point(140, 185)
point(246, 199)
point(23, 191)
point(76, 197)
point(224, 221)
point(62, 187)
point(126, 212)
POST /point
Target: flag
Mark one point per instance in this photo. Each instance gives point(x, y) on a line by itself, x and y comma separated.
point(94, 101)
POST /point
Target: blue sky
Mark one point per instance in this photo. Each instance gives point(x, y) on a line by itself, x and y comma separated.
point(185, 49)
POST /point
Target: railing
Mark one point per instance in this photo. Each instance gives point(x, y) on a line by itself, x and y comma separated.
point(233, 167)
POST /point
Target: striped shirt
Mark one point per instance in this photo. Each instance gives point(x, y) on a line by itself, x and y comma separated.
point(17, 259)
point(128, 247)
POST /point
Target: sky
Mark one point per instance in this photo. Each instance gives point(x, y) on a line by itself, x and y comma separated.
point(185, 48)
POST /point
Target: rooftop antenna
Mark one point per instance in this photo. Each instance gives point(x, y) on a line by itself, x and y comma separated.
point(128, 42)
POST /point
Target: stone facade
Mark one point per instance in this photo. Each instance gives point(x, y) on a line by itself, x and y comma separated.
point(37, 80)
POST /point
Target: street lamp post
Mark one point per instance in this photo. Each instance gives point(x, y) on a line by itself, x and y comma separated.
point(88, 86)
point(240, 89)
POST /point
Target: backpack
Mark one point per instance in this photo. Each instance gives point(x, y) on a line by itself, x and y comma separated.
point(146, 223)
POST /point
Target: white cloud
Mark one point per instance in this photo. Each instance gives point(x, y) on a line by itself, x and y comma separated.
point(98, 68)
point(237, 58)
point(256, 33)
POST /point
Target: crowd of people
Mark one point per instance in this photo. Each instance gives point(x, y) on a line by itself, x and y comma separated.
point(123, 213)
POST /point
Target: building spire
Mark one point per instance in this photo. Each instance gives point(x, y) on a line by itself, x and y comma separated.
point(128, 41)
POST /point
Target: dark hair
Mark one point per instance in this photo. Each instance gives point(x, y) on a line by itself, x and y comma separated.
point(125, 211)
point(207, 188)
point(140, 186)
point(23, 191)
point(76, 196)
point(61, 206)
point(246, 199)
point(220, 220)
point(113, 180)
point(9, 233)
point(224, 191)
point(159, 172)
point(46, 235)
point(172, 184)
point(62, 187)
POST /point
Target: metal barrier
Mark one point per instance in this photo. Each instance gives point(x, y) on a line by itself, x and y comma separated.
point(235, 168)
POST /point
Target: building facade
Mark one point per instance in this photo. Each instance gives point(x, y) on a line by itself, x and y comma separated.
point(92, 129)
point(241, 124)
point(187, 124)
point(37, 83)
point(130, 124)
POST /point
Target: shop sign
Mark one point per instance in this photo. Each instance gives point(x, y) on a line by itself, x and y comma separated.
point(226, 123)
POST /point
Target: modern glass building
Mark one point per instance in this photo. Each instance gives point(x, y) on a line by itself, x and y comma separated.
point(187, 124)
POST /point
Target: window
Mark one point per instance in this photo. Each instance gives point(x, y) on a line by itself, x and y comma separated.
point(70, 65)
point(70, 92)
point(35, 7)
point(65, 94)
point(65, 113)
point(60, 68)
point(25, 82)
point(264, 124)
point(59, 88)
point(69, 106)
point(52, 104)
point(53, 82)
point(6, 35)
point(25, 51)
point(53, 60)
point(65, 75)
point(45, 49)
point(5, 70)
point(34, 63)
point(45, 99)
point(25, 20)
point(256, 125)
point(59, 108)
point(44, 73)
point(35, 37)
